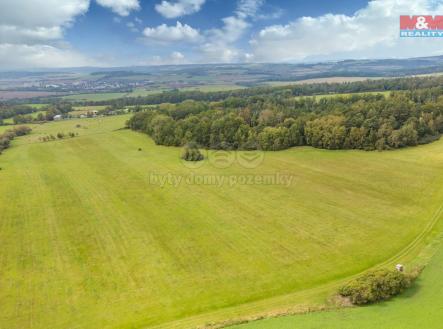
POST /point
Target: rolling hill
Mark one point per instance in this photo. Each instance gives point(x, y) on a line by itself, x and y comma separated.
point(89, 235)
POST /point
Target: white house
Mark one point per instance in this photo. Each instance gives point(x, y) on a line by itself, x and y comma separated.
point(58, 117)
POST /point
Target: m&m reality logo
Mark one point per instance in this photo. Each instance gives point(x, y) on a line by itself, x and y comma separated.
point(424, 26)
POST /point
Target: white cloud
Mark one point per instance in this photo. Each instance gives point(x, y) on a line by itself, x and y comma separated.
point(233, 28)
point(31, 29)
point(220, 45)
point(19, 35)
point(175, 58)
point(176, 55)
point(41, 13)
point(371, 32)
point(120, 7)
point(248, 8)
point(215, 45)
point(178, 33)
point(19, 56)
point(220, 53)
point(28, 21)
point(179, 8)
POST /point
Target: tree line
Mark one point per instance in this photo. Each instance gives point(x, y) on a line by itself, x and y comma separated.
point(22, 114)
point(276, 122)
point(176, 96)
point(9, 135)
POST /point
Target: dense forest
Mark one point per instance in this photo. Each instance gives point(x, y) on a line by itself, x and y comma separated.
point(279, 121)
point(280, 117)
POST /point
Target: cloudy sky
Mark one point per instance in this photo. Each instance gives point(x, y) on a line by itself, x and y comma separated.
point(71, 33)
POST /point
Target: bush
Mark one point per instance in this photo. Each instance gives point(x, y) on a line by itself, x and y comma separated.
point(22, 130)
point(192, 153)
point(376, 286)
point(9, 135)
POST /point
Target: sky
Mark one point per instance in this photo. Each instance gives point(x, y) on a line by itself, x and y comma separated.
point(105, 33)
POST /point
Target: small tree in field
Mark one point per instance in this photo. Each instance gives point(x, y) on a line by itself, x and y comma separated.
point(192, 153)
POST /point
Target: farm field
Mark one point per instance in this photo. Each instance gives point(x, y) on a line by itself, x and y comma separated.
point(89, 235)
point(11, 94)
point(144, 92)
point(97, 97)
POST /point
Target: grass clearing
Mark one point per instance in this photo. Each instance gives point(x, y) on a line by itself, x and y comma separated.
point(318, 97)
point(37, 106)
point(96, 97)
point(86, 236)
point(214, 88)
point(147, 92)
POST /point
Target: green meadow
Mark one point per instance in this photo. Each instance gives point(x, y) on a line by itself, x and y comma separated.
point(419, 307)
point(97, 97)
point(91, 239)
point(83, 110)
point(37, 106)
point(318, 97)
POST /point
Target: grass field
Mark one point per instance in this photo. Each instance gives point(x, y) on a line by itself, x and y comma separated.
point(214, 88)
point(79, 110)
point(420, 307)
point(384, 93)
point(320, 80)
point(144, 92)
point(89, 242)
point(97, 97)
point(37, 106)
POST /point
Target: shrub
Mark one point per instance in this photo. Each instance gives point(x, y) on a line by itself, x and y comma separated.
point(192, 153)
point(22, 130)
point(9, 135)
point(376, 286)
point(4, 143)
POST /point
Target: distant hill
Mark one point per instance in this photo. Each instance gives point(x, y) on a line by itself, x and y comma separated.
point(143, 80)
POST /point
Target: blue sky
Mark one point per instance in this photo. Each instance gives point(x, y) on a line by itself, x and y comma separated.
point(154, 32)
point(100, 32)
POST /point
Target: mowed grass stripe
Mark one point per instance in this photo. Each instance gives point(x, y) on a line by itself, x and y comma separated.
point(419, 307)
point(109, 250)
